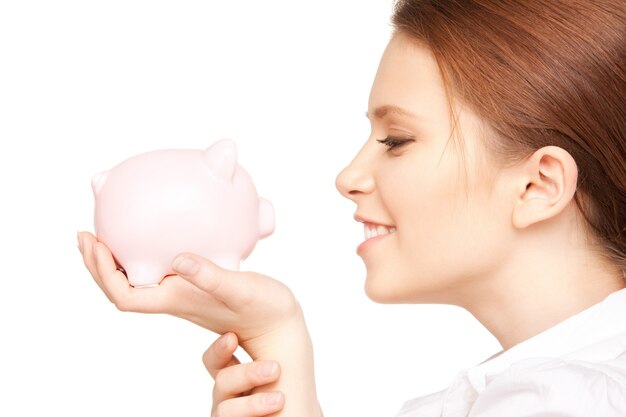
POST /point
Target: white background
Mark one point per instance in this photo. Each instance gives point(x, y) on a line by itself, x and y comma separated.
point(85, 85)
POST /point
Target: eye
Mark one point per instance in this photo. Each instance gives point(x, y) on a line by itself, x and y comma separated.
point(393, 142)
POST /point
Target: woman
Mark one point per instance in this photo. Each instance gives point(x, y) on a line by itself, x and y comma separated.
point(494, 179)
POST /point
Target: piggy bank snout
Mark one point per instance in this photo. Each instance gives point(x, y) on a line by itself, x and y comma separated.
point(266, 218)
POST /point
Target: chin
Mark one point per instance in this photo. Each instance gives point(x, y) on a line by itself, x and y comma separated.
point(389, 288)
point(382, 292)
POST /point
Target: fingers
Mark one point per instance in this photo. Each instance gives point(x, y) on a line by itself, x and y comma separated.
point(220, 354)
point(86, 242)
point(124, 296)
point(233, 381)
point(101, 264)
point(224, 285)
point(261, 404)
point(113, 280)
point(236, 380)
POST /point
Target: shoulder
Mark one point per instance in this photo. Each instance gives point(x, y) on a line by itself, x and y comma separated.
point(541, 387)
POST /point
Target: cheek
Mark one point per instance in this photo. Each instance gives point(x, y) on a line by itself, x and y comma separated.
point(417, 195)
point(446, 236)
point(421, 205)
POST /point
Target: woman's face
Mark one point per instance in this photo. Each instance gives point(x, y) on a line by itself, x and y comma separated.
point(440, 227)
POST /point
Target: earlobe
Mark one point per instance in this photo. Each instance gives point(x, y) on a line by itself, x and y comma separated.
point(546, 186)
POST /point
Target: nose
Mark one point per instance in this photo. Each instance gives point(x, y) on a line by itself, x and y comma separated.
point(356, 179)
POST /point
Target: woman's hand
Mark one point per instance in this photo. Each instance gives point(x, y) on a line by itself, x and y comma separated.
point(252, 305)
point(234, 382)
point(262, 312)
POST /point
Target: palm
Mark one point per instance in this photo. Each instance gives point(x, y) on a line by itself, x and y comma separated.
point(246, 303)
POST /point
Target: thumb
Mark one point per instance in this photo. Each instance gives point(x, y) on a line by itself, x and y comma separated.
point(227, 286)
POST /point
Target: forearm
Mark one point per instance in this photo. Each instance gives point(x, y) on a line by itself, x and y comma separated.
point(291, 346)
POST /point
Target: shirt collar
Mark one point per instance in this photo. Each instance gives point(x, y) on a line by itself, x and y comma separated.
point(599, 322)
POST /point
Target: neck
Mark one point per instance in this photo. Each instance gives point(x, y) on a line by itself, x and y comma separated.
point(541, 284)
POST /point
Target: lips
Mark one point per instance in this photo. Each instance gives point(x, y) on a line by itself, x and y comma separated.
point(372, 230)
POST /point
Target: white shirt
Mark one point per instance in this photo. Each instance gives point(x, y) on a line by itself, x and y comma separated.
point(574, 369)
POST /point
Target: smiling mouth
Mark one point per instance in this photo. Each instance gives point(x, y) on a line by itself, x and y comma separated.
point(373, 230)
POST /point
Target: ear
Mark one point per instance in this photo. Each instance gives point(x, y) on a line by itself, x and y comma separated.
point(546, 186)
point(97, 182)
point(221, 158)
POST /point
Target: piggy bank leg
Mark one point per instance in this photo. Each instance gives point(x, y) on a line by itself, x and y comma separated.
point(142, 275)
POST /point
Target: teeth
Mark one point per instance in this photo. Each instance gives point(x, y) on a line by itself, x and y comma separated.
point(372, 230)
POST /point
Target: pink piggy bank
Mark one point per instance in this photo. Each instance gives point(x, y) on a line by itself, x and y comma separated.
point(156, 205)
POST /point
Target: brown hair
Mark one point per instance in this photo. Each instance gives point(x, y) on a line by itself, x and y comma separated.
point(541, 73)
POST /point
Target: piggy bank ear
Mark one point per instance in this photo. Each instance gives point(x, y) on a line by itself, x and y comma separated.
point(221, 158)
point(97, 182)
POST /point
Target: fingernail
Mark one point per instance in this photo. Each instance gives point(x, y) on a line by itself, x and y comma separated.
point(185, 266)
point(271, 398)
point(224, 341)
point(267, 369)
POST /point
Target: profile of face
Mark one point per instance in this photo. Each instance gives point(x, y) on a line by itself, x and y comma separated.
point(436, 217)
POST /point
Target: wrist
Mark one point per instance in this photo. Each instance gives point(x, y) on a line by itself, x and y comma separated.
point(290, 345)
point(290, 337)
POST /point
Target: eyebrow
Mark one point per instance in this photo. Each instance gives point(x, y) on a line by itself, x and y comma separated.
point(382, 111)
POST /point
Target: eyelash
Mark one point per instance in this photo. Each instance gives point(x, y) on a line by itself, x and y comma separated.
point(393, 143)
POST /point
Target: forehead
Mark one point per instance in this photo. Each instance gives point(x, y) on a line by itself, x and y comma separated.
point(408, 77)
